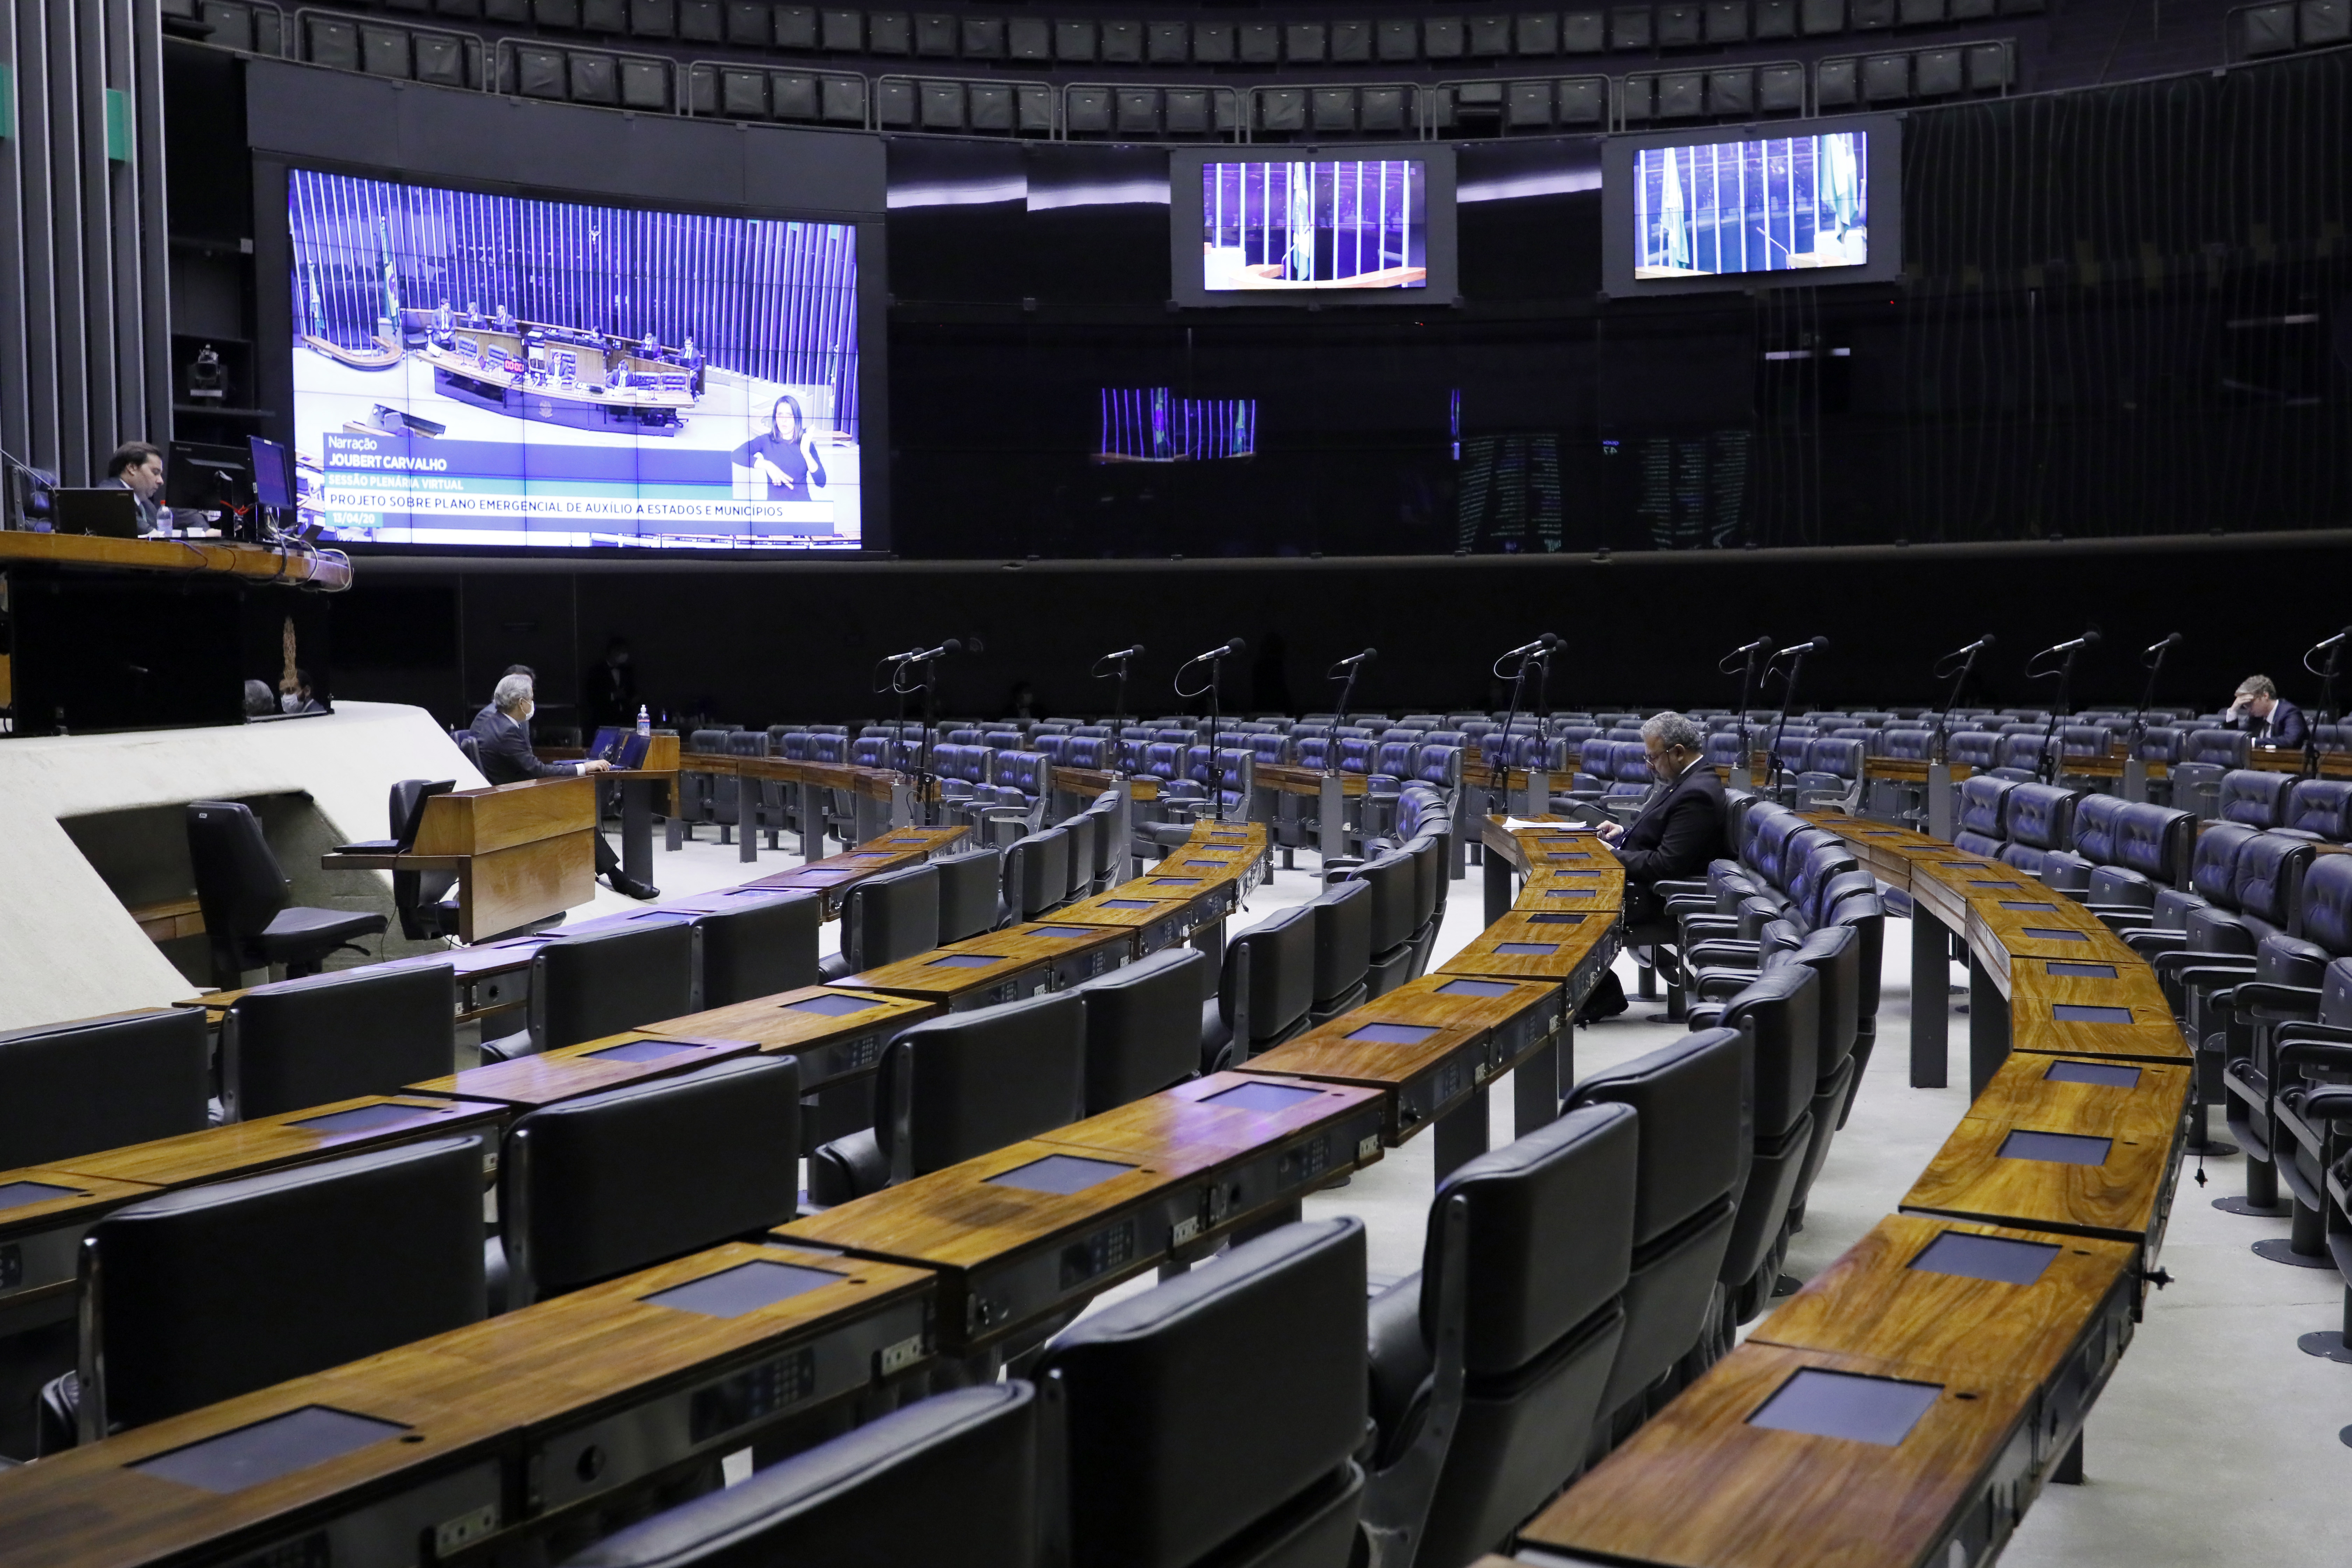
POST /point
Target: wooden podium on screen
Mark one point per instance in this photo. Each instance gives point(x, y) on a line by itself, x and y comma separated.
point(520, 851)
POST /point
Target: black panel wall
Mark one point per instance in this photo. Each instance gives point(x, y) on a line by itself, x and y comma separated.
point(767, 645)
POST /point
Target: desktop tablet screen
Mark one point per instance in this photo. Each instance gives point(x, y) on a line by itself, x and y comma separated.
point(472, 369)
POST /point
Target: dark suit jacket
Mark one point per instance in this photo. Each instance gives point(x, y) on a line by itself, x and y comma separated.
point(507, 756)
point(1679, 831)
point(2282, 727)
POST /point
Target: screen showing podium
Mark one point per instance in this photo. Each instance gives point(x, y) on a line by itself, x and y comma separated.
point(472, 369)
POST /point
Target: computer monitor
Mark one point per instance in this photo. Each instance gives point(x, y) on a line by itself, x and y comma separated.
point(273, 474)
point(113, 513)
point(199, 476)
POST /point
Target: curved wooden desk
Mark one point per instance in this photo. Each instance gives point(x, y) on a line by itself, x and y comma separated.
point(1905, 1407)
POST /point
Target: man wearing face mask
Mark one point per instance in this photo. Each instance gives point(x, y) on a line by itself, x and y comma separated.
point(1679, 829)
point(297, 698)
point(507, 758)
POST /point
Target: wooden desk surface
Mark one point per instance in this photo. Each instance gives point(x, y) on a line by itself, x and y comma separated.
point(783, 1023)
point(571, 1071)
point(1873, 1302)
point(1421, 1079)
point(954, 978)
point(1288, 778)
point(2124, 1194)
point(187, 556)
point(515, 1391)
point(873, 784)
point(1092, 782)
point(1519, 947)
point(1497, 839)
point(75, 1198)
point(1194, 1168)
point(249, 1148)
point(1699, 1487)
point(1126, 905)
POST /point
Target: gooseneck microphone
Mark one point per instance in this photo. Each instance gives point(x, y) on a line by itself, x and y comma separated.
point(1811, 645)
point(1353, 659)
point(2088, 639)
point(1229, 650)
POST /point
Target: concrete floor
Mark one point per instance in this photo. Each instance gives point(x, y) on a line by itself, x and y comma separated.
point(2216, 1439)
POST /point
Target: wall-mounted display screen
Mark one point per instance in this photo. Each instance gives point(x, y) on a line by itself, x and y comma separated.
point(1771, 205)
point(473, 369)
point(1327, 226)
point(1816, 202)
point(1363, 223)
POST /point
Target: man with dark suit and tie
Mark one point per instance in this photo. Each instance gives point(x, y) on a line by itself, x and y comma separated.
point(1679, 829)
point(507, 758)
point(2260, 710)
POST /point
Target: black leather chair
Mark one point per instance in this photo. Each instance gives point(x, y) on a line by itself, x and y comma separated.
point(1036, 874)
point(951, 1088)
point(1393, 906)
point(1081, 830)
point(101, 1083)
point(885, 918)
point(1427, 853)
point(1265, 989)
point(1835, 953)
point(1343, 949)
point(969, 893)
point(586, 987)
point(249, 919)
point(1778, 1013)
point(952, 1479)
point(213, 1291)
point(1488, 1366)
point(759, 947)
point(370, 1030)
point(1691, 1162)
point(606, 1183)
point(1213, 1420)
point(1142, 1027)
point(425, 901)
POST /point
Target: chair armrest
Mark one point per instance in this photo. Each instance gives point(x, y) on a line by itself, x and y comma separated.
point(1725, 953)
point(1683, 886)
point(2274, 1003)
point(2172, 964)
point(2331, 1104)
point(2148, 942)
point(1701, 927)
point(1719, 984)
point(2298, 1042)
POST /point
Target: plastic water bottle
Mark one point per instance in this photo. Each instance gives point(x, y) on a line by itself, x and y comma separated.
point(645, 723)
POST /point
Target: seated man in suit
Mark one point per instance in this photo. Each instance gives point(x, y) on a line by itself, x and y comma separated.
point(138, 468)
point(1679, 830)
point(2259, 709)
point(507, 758)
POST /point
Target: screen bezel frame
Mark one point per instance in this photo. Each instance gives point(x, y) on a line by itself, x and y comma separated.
point(274, 259)
point(1884, 174)
point(1186, 291)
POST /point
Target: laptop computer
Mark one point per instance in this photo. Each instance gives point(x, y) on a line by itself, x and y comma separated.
point(110, 513)
point(407, 840)
point(607, 743)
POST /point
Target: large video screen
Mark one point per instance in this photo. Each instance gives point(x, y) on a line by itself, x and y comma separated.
point(1752, 206)
point(473, 369)
point(1363, 223)
point(1815, 204)
point(1311, 228)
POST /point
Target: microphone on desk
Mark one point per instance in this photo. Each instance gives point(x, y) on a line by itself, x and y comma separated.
point(1350, 662)
point(1811, 645)
point(1229, 650)
point(1545, 643)
point(1758, 646)
point(2332, 642)
point(2169, 639)
point(2088, 639)
point(1979, 645)
point(1123, 653)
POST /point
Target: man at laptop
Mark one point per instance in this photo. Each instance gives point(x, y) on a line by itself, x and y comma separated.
point(507, 758)
point(138, 468)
